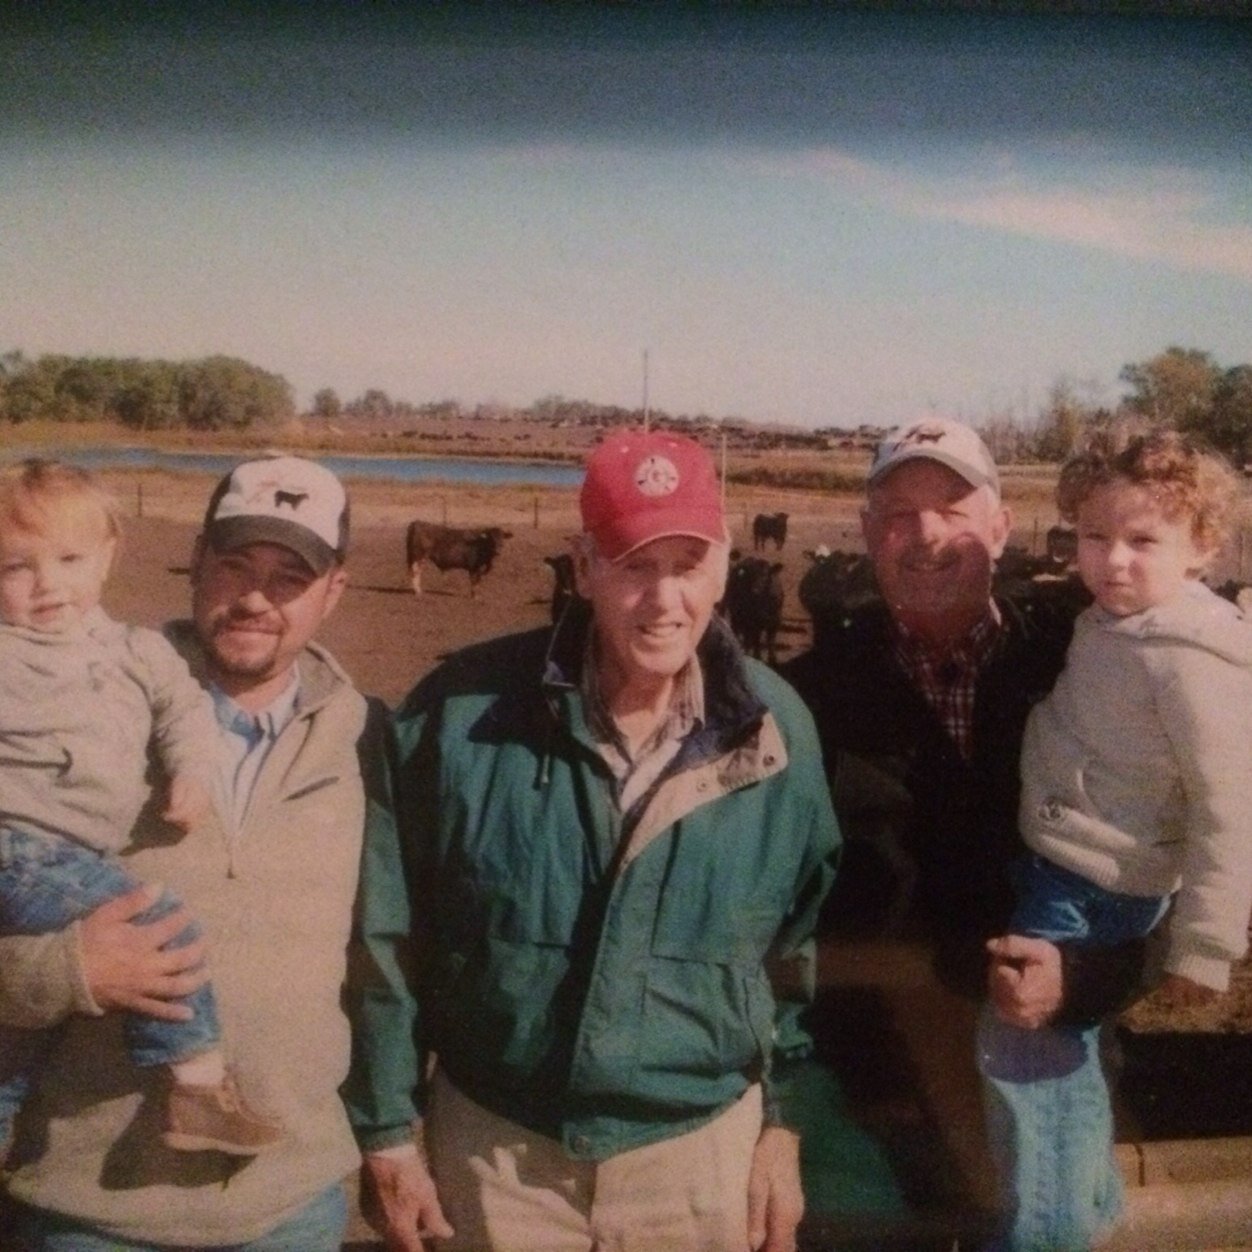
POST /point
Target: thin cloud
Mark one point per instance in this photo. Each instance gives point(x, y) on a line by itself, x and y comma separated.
point(1165, 216)
point(1166, 229)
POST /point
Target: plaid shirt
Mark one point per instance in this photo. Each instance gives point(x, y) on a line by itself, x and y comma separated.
point(949, 679)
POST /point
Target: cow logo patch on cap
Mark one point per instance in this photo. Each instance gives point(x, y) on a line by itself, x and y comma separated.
point(656, 476)
point(271, 492)
point(940, 439)
point(926, 432)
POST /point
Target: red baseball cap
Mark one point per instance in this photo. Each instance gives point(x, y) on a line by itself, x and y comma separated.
point(642, 486)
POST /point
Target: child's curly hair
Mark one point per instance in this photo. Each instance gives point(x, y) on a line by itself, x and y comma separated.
point(1188, 478)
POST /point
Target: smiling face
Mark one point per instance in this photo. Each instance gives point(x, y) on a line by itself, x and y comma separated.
point(934, 541)
point(51, 576)
point(650, 608)
point(255, 608)
point(1131, 553)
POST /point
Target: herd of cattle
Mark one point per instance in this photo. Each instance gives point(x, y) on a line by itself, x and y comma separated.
point(832, 587)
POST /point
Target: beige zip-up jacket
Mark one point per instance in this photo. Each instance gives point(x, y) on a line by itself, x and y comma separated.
point(275, 900)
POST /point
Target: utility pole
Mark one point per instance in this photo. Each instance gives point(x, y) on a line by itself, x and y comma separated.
point(647, 413)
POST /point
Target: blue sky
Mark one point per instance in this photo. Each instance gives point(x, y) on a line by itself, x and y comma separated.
point(805, 216)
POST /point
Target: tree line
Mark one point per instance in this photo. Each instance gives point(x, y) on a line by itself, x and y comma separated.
point(215, 393)
point(1183, 388)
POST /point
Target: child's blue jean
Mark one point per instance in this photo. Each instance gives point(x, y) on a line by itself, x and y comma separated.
point(45, 884)
point(1049, 1116)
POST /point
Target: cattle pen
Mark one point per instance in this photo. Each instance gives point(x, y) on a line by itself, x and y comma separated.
point(904, 1171)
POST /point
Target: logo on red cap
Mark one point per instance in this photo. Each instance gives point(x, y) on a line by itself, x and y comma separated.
point(656, 476)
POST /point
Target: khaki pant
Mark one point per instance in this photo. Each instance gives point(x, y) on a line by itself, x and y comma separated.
point(506, 1189)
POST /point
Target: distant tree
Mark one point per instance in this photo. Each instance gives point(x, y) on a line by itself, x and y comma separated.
point(448, 410)
point(224, 393)
point(150, 400)
point(1175, 388)
point(373, 406)
point(1230, 428)
point(1064, 422)
point(327, 405)
point(1187, 390)
point(30, 390)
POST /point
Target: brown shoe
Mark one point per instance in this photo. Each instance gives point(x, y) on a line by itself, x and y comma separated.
point(217, 1118)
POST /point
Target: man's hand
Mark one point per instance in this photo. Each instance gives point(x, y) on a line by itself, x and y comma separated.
point(123, 962)
point(775, 1197)
point(1024, 982)
point(400, 1201)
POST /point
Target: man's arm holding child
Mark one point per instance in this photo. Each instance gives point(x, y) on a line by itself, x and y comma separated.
point(105, 961)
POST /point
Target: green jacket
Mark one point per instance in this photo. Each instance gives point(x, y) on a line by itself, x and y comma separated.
point(605, 992)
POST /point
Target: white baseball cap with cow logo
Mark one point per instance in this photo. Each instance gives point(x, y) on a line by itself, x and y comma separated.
point(940, 439)
point(285, 500)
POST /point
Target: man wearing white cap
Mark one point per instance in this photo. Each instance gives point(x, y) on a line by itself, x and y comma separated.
point(607, 828)
point(271, 877)
point(921, 702)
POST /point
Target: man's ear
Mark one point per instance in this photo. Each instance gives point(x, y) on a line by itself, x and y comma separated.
point(336, 585)
point(1001, 529)
point(580, 549)
point(197, 557)
point(113, 544)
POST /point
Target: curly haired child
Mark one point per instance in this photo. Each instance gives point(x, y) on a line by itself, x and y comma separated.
point(1136, 804)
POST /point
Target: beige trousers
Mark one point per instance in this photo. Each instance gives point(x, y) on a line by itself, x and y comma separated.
point(506, 1189)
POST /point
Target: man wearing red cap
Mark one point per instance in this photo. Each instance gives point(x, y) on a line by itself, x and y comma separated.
point(606, 830)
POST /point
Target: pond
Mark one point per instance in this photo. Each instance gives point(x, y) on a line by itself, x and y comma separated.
point(397, 469)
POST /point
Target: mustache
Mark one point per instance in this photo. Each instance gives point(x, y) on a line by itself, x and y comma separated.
point(239, 617)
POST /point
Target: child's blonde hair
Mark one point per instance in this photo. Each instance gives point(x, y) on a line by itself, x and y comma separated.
point(1188, 478)
point(37, 495)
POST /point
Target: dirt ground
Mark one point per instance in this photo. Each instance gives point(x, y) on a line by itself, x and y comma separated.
point(387, 637)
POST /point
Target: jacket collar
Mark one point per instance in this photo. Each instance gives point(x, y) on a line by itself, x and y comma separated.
point(732, 708)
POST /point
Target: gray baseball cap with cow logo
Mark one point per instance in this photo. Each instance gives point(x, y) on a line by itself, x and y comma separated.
point(286, 500)
point(940, 439)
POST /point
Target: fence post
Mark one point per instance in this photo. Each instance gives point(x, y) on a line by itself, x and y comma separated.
point(536, 507)
point(139, 498)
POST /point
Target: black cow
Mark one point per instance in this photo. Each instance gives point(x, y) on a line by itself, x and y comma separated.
point(771, 526)
point(1061, 545)
point(448, 547)
point(754, 600)
point(1238, 593)
point(563, 590)
point(834, 585)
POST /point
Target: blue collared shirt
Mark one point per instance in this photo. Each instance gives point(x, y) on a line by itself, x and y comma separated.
point(246, 741)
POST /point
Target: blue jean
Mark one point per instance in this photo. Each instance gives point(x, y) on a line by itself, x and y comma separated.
point(1047, 1104)
point(45, 884)
point(318, 1227)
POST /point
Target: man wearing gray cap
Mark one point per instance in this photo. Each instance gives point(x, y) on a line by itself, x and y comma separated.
point(271, 876)
point(922, 696)
point(920, 701)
